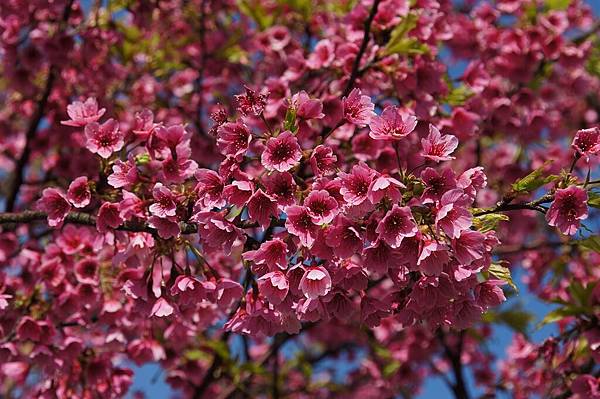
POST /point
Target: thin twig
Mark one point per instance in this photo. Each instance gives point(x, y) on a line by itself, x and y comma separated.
point(363, 47)
point(506, 206)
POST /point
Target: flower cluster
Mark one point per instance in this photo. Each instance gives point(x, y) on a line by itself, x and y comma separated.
point(358, 179)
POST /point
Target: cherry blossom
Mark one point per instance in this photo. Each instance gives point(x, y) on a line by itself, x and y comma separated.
point(247, 193)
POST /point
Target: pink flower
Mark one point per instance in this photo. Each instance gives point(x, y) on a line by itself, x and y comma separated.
point(344, 238)
point(274, 286)
point(464, 123)
point(568, 208)
point(281, 186)
point(464, 313)
point(306, 107)
point(271, 253)
point(587, 141)
point(79, 192)
point(176, 170)
point(323, 161)
point(322, 55)
point(238, 192)
point(171, 136)
point(469, 246)
point(233, 138)
point(472, 180)
point(228, 291)
point(321, 206)
point(124, 174)
point(452, 216)
point(385, 186)
point(29, 330)
point(397, 224)
point(299, 222)
point(82, 113)
point(372, 310)
point(55, 204)
point(378, 257)
point(167, 227)
point(104, 139)
point(433, 258)
point(165, 204)
point(86, 271)
point(131, 206)
point(355, 185)
point(282, 152)
point(585, 386)
point(489, 293)
point(217, 233)
point(251, 102)
point(209, 188)
point(437, 147)
point(162, 308)
point(436, 184)
point(143, 124)
point(108, 217)
point(191, 290)
point(261, 208)
point(392, 124)
point(358, 109)
point(315, 282)
point(4, 301)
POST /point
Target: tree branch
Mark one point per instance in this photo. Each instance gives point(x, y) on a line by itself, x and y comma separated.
point(505, 205)
point(85, 219)
point(201, 67)
point(38, 115)
point(459, 387)
point(363, 47)
point(275, 373)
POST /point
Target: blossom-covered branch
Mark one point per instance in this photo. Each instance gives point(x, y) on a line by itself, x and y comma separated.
point(244, 192)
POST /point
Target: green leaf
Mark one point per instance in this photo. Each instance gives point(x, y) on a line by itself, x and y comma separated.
point(594, 199)
point(391, 368)
point(557, 4)
point(399, 43)
point(534, 180)
point(234, 212)
point(221, 349)
point(580, 293)
point(592, 243)
point(559, 314)
point(382, 352)
point(142, 159)
point(257, 12)
point(289, 123)
point(488, 222)
point(195, 354)
point(407, 46)
point(503, 273)
point(515, 318)
point(458, 96)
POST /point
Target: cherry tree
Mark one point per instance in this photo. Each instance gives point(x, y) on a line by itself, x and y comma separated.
point(259, 194)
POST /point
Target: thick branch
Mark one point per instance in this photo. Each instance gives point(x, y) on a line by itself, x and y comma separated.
point(275, 374)
point(19, 171)
point(459, 387)
point(84, 219)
